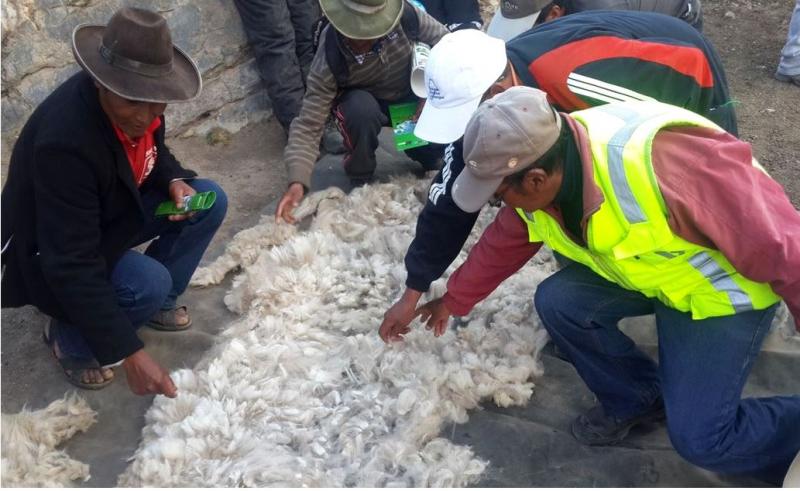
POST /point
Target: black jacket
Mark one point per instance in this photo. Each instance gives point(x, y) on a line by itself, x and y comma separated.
point(70, 209)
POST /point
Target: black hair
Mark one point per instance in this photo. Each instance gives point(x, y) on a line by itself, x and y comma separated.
point(567, 5)
point(551, 161)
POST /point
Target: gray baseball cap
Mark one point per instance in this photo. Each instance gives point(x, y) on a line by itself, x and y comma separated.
point(507, 134)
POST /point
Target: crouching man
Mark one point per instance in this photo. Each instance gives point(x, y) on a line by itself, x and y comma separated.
point(361, 67)
point(85, 178)
point(662, 213)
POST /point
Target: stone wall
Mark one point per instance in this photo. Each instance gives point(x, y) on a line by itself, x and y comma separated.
point(36, 57)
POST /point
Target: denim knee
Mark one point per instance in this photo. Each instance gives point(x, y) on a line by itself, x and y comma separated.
point(702, 448)
point(548, 301)
point(142, 285)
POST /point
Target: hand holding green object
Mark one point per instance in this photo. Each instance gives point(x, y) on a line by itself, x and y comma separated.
point(195, 202)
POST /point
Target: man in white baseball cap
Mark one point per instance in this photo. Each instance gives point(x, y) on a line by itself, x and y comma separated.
point(570, 61)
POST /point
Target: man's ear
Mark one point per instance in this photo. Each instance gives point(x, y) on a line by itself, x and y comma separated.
point(535, 180)
point(555, 12)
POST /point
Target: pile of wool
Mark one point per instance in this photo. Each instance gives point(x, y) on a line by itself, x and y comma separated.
point(30, 457)
point(301, 391)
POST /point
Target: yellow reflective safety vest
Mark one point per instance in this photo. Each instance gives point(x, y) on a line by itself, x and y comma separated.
point(629, 241)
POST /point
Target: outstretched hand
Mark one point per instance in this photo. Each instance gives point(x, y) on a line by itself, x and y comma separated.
point(290, 200)
point(399, 316)
point(436, 315)
point(146, 376)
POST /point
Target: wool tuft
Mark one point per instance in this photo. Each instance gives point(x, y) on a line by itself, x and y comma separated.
point(30, 438)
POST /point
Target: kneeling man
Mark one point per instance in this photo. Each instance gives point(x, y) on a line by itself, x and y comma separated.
point(86, 176)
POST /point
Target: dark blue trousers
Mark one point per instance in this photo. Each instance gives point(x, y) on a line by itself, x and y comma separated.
point(703, 366)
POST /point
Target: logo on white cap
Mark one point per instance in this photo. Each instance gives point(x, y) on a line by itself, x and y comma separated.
point(433, 90)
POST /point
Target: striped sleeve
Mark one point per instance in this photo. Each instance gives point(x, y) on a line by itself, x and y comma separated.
point(430, 30)
point(305, 132)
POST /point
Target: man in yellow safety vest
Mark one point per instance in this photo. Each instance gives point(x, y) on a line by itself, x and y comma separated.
point(662, 212)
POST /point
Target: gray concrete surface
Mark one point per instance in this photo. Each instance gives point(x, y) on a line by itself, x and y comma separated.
point(527, 446)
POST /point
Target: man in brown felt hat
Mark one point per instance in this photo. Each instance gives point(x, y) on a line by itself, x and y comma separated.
point(85, 177)
point(362, 65)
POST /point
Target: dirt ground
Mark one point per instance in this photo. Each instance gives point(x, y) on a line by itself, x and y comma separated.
point(748, 36)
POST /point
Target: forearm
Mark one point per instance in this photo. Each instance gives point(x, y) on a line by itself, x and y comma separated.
point(502, 250)
point(302, 149)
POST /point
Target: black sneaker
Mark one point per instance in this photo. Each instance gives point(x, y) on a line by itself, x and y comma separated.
point(595, 428)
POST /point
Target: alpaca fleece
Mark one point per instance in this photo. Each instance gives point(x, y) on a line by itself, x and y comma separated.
point(301, 391)
point(30, 457)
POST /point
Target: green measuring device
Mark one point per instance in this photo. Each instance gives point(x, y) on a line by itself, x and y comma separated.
point(195, 202)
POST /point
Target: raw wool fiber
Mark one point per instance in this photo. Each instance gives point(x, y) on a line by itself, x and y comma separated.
point(301, 391)
point(30, 457)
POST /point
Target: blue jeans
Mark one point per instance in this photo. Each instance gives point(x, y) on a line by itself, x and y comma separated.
point(790, 54)
point(703, 366)
point(145, 283)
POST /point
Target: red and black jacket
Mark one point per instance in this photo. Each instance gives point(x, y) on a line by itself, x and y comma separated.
point(582, 60)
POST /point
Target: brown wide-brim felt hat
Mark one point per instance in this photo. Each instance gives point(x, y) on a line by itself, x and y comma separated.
point(363, 19)
point(133, 57)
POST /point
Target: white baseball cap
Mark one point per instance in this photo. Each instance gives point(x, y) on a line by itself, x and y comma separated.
point(515, 17)
point(461, 68)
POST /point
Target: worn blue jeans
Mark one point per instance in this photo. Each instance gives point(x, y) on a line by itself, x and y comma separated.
point(790, 54)
point(703, 366)
point(145, 283)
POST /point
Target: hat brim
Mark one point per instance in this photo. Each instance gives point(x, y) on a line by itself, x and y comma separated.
point(183, 83)
point(507, 29)
point(471, 193)
point(445, 125)
point(359, 25)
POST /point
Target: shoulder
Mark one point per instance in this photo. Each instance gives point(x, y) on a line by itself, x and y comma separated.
point(66, 117)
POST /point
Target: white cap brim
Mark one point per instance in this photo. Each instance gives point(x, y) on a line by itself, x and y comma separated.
point(507, 29)
point(445, 125)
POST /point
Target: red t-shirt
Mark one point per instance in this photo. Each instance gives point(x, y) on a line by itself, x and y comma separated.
point(142, 152)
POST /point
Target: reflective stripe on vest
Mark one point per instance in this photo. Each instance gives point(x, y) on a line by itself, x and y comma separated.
point(629, 241)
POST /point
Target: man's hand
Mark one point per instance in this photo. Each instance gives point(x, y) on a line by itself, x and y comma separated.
point(399, 316)
point(177, 191)
point(146, 376)
point(437, 316)
point(291, 198)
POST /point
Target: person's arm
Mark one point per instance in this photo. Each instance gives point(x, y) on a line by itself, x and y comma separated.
point(68, 235)
point(430, 30)
point(722, 200)
point(305, 132)
point(302, 149)
point(501, 251)
point(442, 229)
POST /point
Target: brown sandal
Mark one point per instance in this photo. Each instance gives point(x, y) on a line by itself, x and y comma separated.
point(167, 320)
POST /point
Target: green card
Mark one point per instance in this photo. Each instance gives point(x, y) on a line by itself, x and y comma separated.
point(195, 202)
point(404, 138)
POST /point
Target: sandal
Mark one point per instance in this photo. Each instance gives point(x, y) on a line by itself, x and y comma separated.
point(167, 320)
point(74, 367)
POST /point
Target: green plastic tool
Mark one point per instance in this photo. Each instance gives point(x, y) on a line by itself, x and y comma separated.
point(195, 202)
